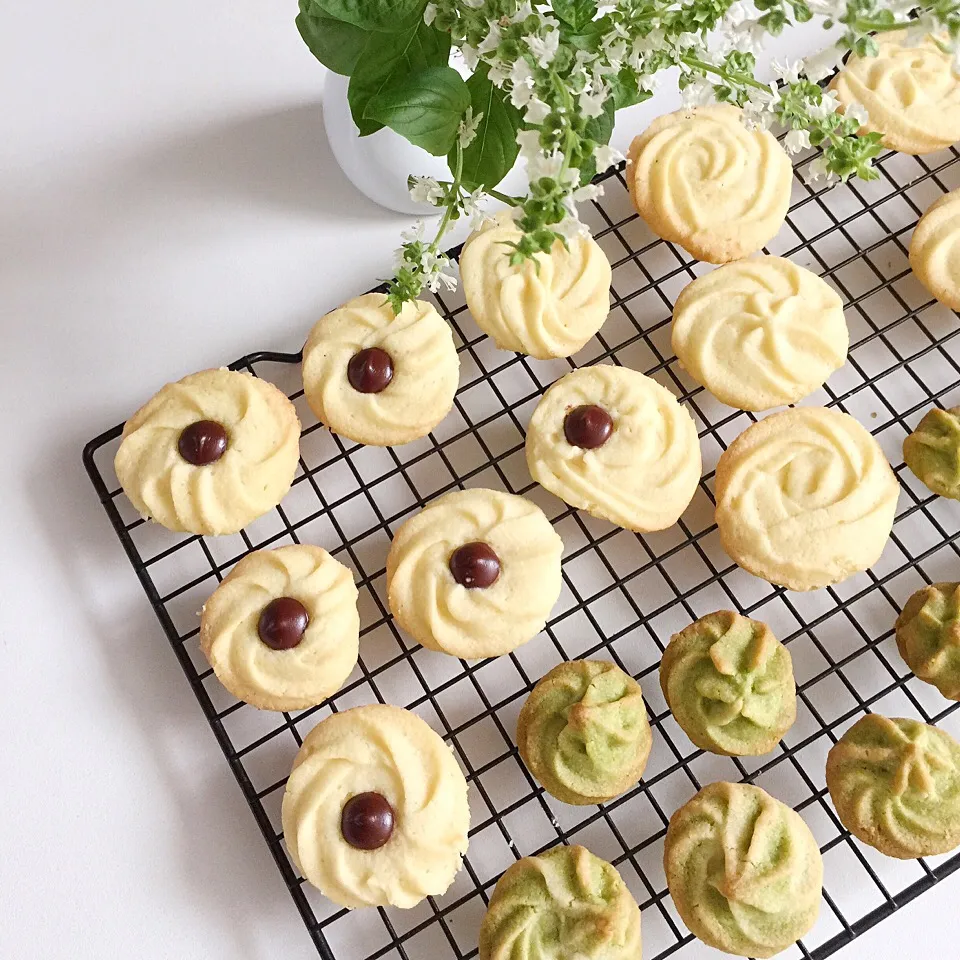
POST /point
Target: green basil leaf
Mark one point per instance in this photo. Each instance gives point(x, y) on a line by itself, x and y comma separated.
point(425, 107)
point(576, 13)
point(386, 16)
point(490, 156)
point(598, 129)
point(386, 59)
point(335, 44)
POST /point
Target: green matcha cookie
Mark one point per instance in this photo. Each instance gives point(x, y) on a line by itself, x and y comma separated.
point(729, 683)
point(928, 636)
point(563, 904)
point(744, 870)
point(896, 786)
point(932, 451)
point(583, 732)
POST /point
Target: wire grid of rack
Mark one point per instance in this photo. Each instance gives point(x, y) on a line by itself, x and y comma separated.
point(623, 594)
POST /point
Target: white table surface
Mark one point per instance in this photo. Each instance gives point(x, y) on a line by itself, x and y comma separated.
point(167, 202)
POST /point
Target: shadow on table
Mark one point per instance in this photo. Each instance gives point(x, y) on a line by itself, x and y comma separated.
point(224, 863)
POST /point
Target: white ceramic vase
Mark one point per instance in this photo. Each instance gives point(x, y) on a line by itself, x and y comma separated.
point(377, 165)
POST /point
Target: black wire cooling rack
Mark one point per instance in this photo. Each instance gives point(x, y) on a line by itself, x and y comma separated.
point(623, 594)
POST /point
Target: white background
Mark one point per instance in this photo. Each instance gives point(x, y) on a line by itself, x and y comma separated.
point(167, 203)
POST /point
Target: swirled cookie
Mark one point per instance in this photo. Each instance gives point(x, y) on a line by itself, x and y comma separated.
point(932, 451)
point(928, 636)
point(549, 306)
point(281, 631)
point(896, 786)
point(562, 904)
point(380, 378)
point(760, 333)
point(210, 453)
point(475, 573)
point(375, 811)
point(583, 731)
point(911, 93)
point(613, 442)
point(805, 498)
point(744, 870)
point(700, 178)
point(935, 250)
point(729, 683)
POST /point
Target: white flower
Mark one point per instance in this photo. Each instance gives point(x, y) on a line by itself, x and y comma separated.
point(529, 143)
point(817, 170)
point(467, 131)
point(606, 156)
point(649, 82)
point(425, 190)
point(615, 48)
point(591, 102)
point(470, 204)
point(523, 11)
point(429, 13)
point(540, 165)
point(537, 111)
point(822, 64)
point(571, 227)
point(828, 104)
point(470, 56)
point(787, 72)
point(759, 110)
point(857, 111)
point(473, 4)
point(414, 234)
point(796, 140)
point(544, 49)
point(491, 41)
point(589, 191)
point(521, 78)
point(437, 271)
point(697, 94)
point(499, 72)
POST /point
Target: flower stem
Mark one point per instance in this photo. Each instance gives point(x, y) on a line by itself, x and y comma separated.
point(743, 78)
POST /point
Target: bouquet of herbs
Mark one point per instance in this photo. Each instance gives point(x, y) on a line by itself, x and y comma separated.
point(544, 82)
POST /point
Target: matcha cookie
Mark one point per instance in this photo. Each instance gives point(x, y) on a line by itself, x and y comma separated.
point(928, 636)
point(729, 683)
point(896, 786)
point(562, 904)
point(583, 732)
point(744, 870)
point(932, 451)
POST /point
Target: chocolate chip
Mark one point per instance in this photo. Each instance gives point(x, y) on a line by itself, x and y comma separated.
point(475, 565)
point(367, 821)
point(283, 623)
point(588, 426)
point(370, 370)
point(203, 442)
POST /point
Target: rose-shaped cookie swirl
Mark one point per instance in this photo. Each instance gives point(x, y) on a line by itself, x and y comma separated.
point(911, 93)
point(249, 478)
point(700, 178)
point(729, 683)
point(744, 870)
point(928, 636)
point(549, 306)
point(393, 753)
point(935, 249)
point(562, 904)
point(425, 370)
point(644, 475)
point(932, 451)
point(445, 615)
point(760, 333)
point(583, 731)
point(896, 786)
point(805, 498)
point(310, 671)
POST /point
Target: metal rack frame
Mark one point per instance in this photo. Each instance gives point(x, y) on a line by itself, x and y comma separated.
point(623, 592)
